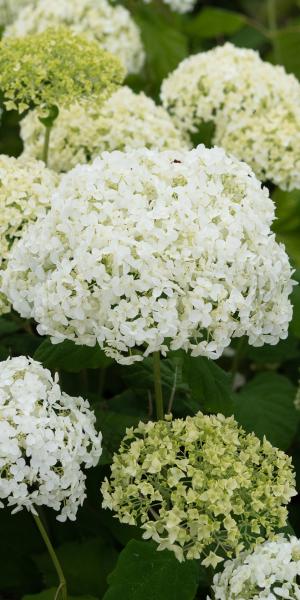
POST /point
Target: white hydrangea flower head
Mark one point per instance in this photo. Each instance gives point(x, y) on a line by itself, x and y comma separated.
point(200, 487)
point(271, 571)
point(112, 26)
point(46, 438)
point(83, 131)
point(9, 9)
point(255, 107)
point(180, 6)
point(25, 191)
point(146, 251)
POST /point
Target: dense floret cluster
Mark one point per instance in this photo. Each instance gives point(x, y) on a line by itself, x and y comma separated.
point(111, 26)
point(146, 250)
point(200, 486)
point(81, 132)
point(271, 571)
point(46, 437)
point(9, 9)
point(255, 107)
point(55, 68)
point(26, 186)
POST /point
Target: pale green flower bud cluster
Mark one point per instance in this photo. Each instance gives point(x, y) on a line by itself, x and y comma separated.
point(83, 131)
point(111, 26)
point(271, 571)
point(200, 487)
point(26, 186)
point(255, 107)
point(55, 68)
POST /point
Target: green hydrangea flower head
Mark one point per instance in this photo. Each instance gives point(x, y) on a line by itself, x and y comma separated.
point(54, 68)
point(200, 487)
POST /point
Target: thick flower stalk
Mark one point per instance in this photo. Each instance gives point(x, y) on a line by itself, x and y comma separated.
point(46, 438)
point(180, 6)
point(147, 251)
point(55, 68)
point(200, 487)
point(83, 131)
point(111, 26)
point(255, 107)
point(25, 191)
point(271, 571)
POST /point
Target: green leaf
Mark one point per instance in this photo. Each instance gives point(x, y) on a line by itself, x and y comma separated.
point(295, 300)
point(266, 406)
point(50, 595)
point(214, 22)
point(288, 41)
point(287, 211)
point(85, 565)
point(210, 386)
point(285, 350)
point(8, 325)
point(113, 427)
point(143, 573)
point(165, 46)
point(70, 357)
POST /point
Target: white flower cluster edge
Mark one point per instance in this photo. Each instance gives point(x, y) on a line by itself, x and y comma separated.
point(46, 438)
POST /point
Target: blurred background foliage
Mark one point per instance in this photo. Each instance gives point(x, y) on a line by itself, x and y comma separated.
point(103, 559)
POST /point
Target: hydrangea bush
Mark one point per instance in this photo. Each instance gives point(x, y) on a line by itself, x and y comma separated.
point(82, 131)
point(199, 487)
point(154, 278)
point(255, 107)
point(46, 438)
point(111, 26)
point(145, 251)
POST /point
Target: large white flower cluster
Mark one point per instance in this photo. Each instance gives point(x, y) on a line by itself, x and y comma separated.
point(26, 186)
point(46, 437)
point(271, 571)
point(82, 131)
point(112, 26)
point(181, 6)
point(254, 105)
point(146, 250)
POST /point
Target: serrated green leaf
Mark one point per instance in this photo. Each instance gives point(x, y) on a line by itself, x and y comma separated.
point(213, 22)
point(143, 573)
point(70, 357)
point(85, 565)
point(265, 405)
point(209, 385)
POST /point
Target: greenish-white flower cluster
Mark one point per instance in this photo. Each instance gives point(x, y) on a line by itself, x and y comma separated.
point(26, 186)
point(271, 571)
point(84, 130)
point(111, 26)
point(254, 105)
point(200, 486)
point(55, 68)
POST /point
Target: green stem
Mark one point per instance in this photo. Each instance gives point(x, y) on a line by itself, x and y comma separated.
point(272, 22)
point(159, 402)
point(62, 588)
point(46, 144)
